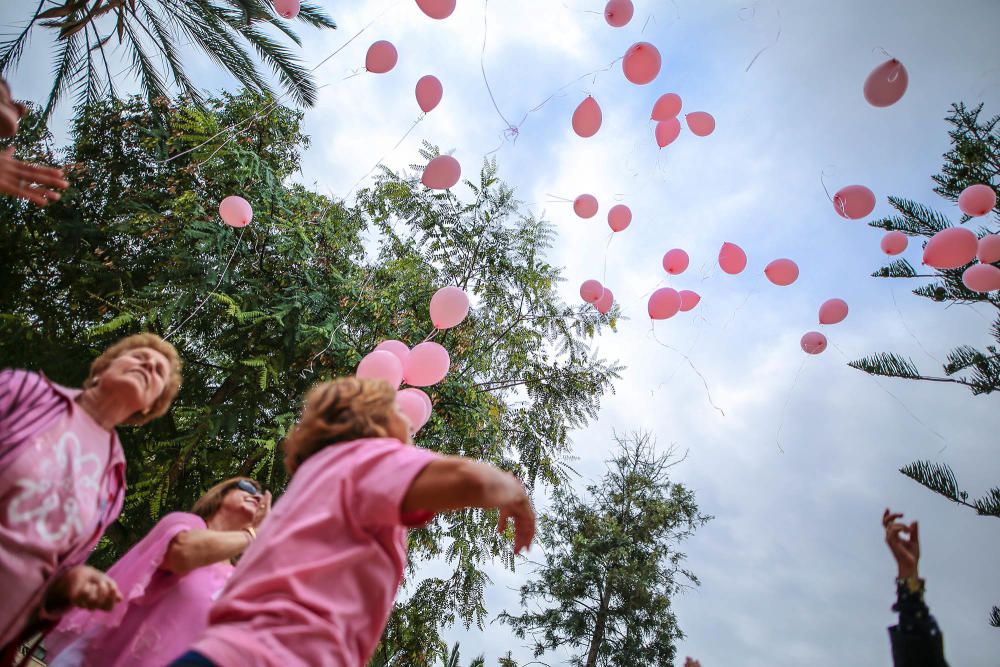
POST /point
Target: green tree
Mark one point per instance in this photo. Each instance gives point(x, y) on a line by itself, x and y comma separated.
point(148, 32)
point(262, 313)
point(612, 565)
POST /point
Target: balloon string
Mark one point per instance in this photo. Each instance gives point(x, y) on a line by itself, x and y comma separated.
point(387, 154)
point(776, 38)
point(784, 409)
point(738, 308)
point(604, 275)
point(876, 49)
point(839, 204)
point(652, 331)
point(482, 67)
point(556, 198)
point(902, 321)
point(333, 332)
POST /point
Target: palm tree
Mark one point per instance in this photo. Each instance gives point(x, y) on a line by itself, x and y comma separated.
point(148, 31)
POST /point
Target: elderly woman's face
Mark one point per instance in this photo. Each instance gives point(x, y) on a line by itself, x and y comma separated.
point(136, 377)
point(10, 112)
point(241, 502)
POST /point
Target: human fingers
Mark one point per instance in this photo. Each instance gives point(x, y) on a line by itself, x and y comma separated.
point(22, 190)
point(502, 521)
point(524, 529)
point(50, 176)
point(889, 517)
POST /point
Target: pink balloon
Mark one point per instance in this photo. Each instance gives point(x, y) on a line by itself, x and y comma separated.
point(689, 300)
point(667, 107)
point(675, 262)
point(235, 211)
point(449, 307)
point(886, 84)
point(619, 217)
point(782, 272)
point(416, 409)
point(988, 251)
point(437, 9)
point(618, 13)
point(977, 200)
point(429, 93)
point(833, 311)
point(442, 173)
point(587, 118)
point(641, 63)
point(951, 248)
point(591, 291)
point(664, 303)
point(398, 348)
point(701, 123)
point(893, 243)
point(287, 9)
point(585, 206)
point(381, 57)
point(381, 365)
point(982, 278)
point(732, 259)
point(667, 131)
point(813, 343)
point(854, 202)
point(605, 302)
point(427, 364)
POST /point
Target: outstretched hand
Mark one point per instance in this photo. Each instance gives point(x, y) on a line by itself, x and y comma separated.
point(28, 181)
point(519, 509)
point(85, 587)
point(906, 550)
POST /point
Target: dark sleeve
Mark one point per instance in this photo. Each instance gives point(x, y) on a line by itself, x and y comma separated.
point(917, 640)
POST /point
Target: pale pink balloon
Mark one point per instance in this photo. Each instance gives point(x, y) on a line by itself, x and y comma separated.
point(894, 242)
point(782, 272)
point(977, 200)
point(449, 307)
point(397, 347)
point(381, 57)
point(951, 248)
point(886, 84)
point(441, 173)
point(664, 303)
point(287, 9)
point(437, 9)
point(854, 202)
point(833, 311)
point(414, 407)
point(235, 211)
point(689, 300)
point(427, 364)
point(587, 118)
point(641, 63)
point(605, 302)
point(619, 217)
point(381, 365)
point(667, 107)
point(732, 259)
point(701, 123)
point(988, 250)
point(813, 342)
point(618, 13)
point(675, 262)
point(591, 291)
point(667, 131)
point(585, 206)
point(982, 278)
point(429, 93)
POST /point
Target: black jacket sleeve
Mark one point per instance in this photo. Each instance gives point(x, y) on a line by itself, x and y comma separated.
point(917, 640)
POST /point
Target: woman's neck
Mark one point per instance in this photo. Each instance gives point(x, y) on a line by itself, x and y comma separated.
point(226, 521)
point(107, 411)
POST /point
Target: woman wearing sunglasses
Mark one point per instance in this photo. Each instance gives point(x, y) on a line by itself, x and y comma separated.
point(168, 581)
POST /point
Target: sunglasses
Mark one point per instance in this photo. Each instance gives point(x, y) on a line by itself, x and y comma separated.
point(248, 486)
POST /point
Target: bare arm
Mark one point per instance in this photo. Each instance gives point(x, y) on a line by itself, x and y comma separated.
point(196, 548)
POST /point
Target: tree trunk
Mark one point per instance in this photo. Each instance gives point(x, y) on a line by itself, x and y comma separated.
point(597, 639)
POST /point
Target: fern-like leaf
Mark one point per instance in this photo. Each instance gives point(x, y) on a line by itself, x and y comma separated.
point(898, 269)
point(887, 364)
point(938, 477)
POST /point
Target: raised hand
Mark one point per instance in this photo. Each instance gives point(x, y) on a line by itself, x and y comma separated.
point(906, 550)
point(32, 182)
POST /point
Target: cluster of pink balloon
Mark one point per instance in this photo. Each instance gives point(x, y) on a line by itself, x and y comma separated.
point(833, 311)
point(599, 296)
point(668, 127)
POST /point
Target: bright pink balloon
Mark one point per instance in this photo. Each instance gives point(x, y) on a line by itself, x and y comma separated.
point(667, 131)
point(886, 84)
point(951, 248)
point(429, 93)
point(381, 57)
point(689, 300)
point(833, 311)
point(813, 342)
point(641, 63)
point(701, 123)
point(437, 9)
point(381, 365)
point(605, 302)
point(854, 202)
point(675, 262)
point(667, 107)
point(894, 242)
point(235, 211)
point(591, 291)
point(664, 303)
point(982, 278)
point(398, 348)
point(977, 200)
point(427, 364)
point(585, 206)
point(732, 259)
point(449, 307)
point(782, 272)
point(442, 173)
point(988, 251)
point(587, 118)
point(287, 9)
point(618, 13)
point(410, 403)
point(619, 217)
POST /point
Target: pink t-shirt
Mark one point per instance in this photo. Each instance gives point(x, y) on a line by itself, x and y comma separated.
point(317, 586)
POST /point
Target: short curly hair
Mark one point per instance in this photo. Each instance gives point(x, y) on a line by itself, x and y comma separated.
point(340, 411)
point(170, 388)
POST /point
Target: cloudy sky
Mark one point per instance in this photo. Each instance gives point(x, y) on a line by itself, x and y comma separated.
point(794, 570)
